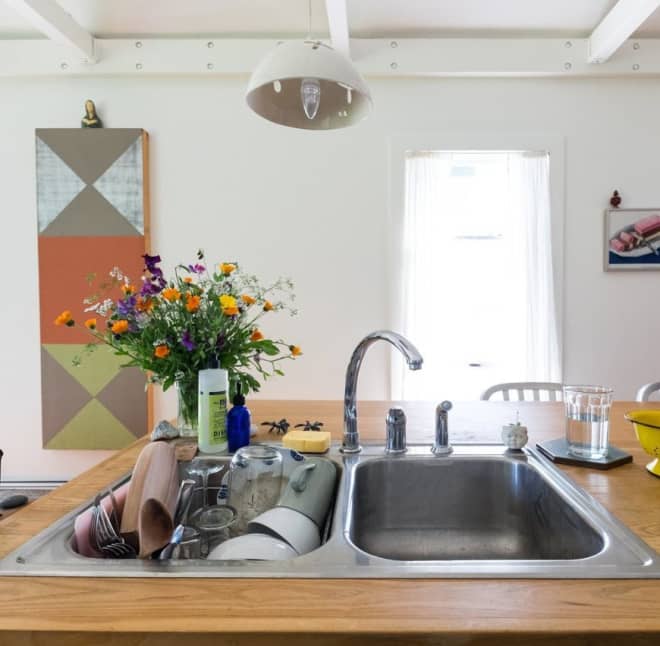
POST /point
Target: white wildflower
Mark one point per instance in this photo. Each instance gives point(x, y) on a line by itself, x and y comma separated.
point(105, 307)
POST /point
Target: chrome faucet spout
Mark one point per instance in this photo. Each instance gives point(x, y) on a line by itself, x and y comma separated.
point(351, 443)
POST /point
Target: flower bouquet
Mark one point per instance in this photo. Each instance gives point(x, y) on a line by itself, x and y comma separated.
point(172, 329)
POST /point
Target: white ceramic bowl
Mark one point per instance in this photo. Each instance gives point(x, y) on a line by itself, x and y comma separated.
point(258, 547)
point(290, 525)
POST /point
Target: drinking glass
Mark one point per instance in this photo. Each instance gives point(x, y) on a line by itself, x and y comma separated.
point(255, 479)
point(205, 467)
point(191, 545)
point(214, 522)
point(587, 420)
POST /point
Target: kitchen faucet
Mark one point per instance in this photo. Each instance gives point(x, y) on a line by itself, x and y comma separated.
point(351, 443)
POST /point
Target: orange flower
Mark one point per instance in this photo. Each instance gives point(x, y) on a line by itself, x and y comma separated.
point(295, 350)
point(171, 294)
point(192, 302)
point(65, 318)
point(143, 304)
point(119, 327)
point(248, 300)
point(230, 311)
point(268, 306)
point(227, 268)
point(256, 335)
point(161, 351)
point(90, 324)
point(127, 289)
point(187, 279)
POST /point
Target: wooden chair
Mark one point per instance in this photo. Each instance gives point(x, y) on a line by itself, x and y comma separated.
point(644, 393)
point(522, 388)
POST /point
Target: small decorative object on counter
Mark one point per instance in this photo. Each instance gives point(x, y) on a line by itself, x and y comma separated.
point(310, 426)
point(212, 409)
point(164, 431)
point(91, 118)
point(238, 423)
point(280, 427)
point(514, 436)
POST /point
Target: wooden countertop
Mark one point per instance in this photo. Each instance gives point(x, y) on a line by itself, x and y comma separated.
point(57, 611)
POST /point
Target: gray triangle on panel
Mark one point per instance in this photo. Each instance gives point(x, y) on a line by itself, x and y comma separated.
point(121, 185)
point(89, 151)
point(61, 396)
point(90, 214)
point(126, 398)
point(57, 184)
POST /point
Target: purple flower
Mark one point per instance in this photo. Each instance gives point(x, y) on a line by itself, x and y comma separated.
point(156, 278)
point(197, 269)
point(151, 286)
point(187, 342)
point(150, 263)
point(220, 342)
point(126, 307)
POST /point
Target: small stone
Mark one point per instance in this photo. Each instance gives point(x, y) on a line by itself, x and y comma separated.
point(164, 431)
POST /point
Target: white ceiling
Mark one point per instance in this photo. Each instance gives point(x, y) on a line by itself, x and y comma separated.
point(367, 18)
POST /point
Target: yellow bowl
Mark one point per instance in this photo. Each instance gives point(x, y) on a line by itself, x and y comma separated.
point(647, 429)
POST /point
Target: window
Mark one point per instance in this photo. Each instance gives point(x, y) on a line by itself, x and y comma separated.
point(477, 279)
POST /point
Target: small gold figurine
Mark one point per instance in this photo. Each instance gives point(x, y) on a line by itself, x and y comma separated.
point(91, 119)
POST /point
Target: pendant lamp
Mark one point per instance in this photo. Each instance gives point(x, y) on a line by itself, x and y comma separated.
point(309, 85)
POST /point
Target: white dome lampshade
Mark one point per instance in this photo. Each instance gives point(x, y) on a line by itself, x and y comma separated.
point(309, 85)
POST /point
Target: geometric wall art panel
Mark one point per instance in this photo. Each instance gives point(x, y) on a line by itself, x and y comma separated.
point(93, 215)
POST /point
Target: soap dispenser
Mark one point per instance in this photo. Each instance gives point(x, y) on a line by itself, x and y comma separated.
point(212, 409)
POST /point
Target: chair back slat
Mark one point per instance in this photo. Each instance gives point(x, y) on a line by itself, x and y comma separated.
point(536, 389)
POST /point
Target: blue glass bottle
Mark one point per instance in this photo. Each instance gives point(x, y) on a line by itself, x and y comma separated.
point(238, 423)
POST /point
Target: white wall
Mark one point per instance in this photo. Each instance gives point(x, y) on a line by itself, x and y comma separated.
point(315, 206)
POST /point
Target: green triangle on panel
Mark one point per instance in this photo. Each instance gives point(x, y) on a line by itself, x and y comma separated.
point(94, 427)
point(95, 371)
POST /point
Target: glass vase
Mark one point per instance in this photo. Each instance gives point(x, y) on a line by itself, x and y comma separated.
point(186, 390)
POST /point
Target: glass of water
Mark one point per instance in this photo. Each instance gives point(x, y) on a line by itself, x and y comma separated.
point(587, 420)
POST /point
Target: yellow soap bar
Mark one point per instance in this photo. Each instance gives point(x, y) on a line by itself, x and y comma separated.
point(307, 441)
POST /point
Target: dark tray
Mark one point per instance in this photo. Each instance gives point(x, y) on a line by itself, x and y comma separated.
point(557, 451)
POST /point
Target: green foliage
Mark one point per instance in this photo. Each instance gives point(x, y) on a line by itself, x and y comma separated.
point(173, 328)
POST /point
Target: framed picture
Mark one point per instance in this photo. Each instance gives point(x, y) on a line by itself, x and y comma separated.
point(632, 239)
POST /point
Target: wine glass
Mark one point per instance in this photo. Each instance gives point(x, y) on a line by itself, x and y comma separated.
point(205, 467)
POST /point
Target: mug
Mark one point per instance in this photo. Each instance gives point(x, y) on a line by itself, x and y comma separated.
point(310, 489)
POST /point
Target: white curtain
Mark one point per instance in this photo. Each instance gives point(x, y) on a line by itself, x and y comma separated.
point(443, 219)
point(530, 180)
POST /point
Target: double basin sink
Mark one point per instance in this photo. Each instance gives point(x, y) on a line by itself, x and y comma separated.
point(480, 512)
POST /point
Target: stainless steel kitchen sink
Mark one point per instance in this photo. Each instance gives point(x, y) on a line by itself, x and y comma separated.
point(481, 512)
point(429, 509)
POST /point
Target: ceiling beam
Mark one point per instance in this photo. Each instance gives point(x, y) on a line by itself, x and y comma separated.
point(48, 17)
point(338, 23)
point(374, 57)
point(623, 20)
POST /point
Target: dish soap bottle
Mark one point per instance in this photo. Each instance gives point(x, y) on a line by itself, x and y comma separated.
point(212, 409)
point(238, 422)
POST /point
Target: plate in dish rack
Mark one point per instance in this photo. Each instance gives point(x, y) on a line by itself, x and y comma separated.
point(290, 460)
